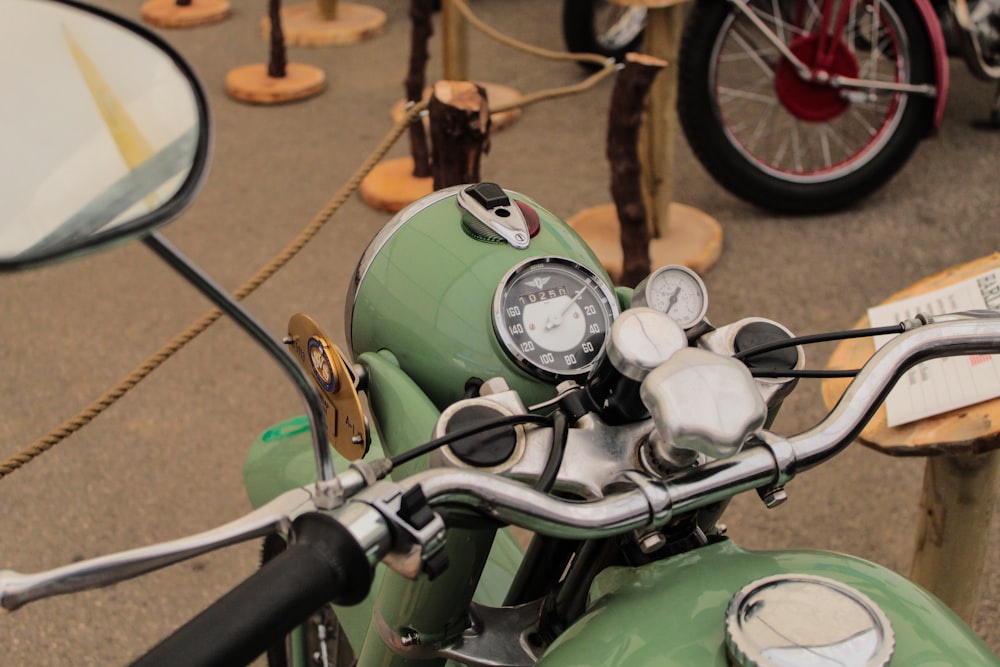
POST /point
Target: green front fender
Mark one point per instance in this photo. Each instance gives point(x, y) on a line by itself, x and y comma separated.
point(672, 613)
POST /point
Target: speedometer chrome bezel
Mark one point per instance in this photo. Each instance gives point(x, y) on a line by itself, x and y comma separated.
point(510, 346)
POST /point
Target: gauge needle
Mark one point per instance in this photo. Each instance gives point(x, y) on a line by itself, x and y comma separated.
point(556, 320)
point(672, 300)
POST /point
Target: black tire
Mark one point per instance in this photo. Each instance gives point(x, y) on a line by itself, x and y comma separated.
point(602, 27)
point(333, 641)
point(742, 108)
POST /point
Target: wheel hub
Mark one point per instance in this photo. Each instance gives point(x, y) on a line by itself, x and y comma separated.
point(810, 100)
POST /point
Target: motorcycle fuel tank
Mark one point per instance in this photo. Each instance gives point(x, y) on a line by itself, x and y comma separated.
point(477, 281)
point(679, 612)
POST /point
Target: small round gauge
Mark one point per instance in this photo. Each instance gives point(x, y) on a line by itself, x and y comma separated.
point(674, 290)
point(552, 316)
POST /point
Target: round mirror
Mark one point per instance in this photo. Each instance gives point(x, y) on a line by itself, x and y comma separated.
point(105, 131)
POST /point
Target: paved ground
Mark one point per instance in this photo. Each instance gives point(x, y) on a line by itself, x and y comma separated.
point(166, 460)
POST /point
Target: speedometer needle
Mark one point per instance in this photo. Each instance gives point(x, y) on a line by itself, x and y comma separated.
point(556, 320)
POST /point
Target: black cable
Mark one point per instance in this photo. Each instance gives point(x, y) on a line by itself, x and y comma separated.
point(818, 338)
point(426, 448)
point(804, 373)
point(560, 434)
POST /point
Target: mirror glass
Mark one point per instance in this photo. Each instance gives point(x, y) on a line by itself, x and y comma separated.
point(103, 128)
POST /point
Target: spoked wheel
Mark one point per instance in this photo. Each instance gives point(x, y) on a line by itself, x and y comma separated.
point(798, 146)
point(602, 27)
point(320, 641)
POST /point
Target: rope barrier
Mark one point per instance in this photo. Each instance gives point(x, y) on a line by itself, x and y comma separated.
point(154, 361)
point(175, 344)
point(498, 36)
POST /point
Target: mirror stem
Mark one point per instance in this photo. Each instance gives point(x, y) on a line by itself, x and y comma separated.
point(327, 487)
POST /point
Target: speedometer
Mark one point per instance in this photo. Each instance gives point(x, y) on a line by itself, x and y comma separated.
point(552, 316)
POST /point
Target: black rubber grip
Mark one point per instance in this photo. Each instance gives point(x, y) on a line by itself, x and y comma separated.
point(324, 564)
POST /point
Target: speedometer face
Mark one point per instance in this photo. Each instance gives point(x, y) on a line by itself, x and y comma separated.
point(552, 315)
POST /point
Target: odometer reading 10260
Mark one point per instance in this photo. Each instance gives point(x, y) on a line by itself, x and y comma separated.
point(552, 315)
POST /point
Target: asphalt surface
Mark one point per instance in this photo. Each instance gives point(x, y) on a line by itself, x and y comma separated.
point(165, 461)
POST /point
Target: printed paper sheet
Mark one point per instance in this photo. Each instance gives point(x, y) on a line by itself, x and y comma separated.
point(940, 385)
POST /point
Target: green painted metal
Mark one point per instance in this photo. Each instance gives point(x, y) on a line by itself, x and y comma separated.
point(282, 459)
point(427, 296)
point(624, 295)
point(668, 613)
point(403, 415)
point(672, 613)
point(433, 610)
point(421, 326)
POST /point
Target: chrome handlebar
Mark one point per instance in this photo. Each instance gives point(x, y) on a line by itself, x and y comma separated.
point(642, 501)
point(772, 462)
point(954, 334)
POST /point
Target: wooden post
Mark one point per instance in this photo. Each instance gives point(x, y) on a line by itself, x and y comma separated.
point(662, 40)
point(420, 33)
point(624, 121)
point(277, 80)
point(460, 125)
point(454, 43)
point(962, 472)
point(956, 509)
point(327, 9)
point(692, 238)
point(394, 184)
point(277, 63)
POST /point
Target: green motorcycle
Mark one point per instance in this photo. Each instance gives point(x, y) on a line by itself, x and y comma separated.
point(508, 384)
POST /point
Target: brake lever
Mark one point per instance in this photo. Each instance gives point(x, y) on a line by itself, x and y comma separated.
point(18, 589)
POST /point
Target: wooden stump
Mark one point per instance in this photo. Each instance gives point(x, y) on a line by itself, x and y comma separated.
point(171, 14)
point(962, 472)
point(391, 186)
point(694, 241)
point(305, 25)
point(252, 83)
point(956, 511)
point(278, 81)
point(460, 126)
point(497, 93)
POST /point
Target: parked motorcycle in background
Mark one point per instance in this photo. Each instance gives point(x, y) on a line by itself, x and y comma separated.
point(603, 27)
point(806, 107)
